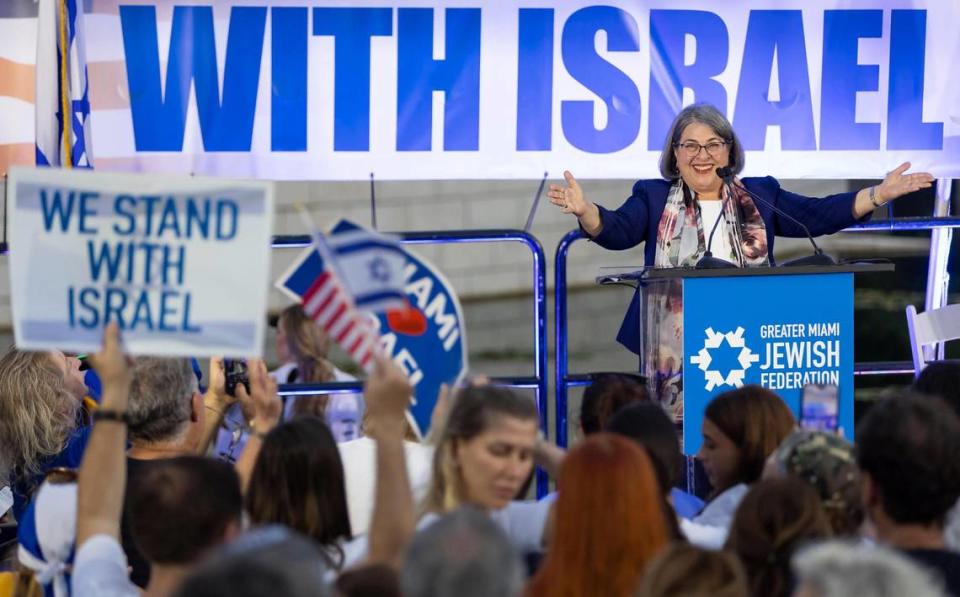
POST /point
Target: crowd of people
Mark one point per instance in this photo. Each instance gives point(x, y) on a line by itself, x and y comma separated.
point(133, 495)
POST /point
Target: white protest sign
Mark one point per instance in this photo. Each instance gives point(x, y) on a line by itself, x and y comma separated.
point(180, 263)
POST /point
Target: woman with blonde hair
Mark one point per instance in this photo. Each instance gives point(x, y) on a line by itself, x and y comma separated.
point(41, 395)
point(483, 458)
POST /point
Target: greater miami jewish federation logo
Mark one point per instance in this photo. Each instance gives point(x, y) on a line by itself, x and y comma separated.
point(704, 359)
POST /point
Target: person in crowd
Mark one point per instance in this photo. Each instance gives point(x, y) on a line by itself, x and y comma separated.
point(610, 521)
point(298, 482)
point(463, 553)
point(840, 569)
point(45, 547)
point(41, 394)
point(308, 346)
point(741, 428)
point(483, 456)
point(907, 449)
point(167, 418)
point(359, 460)
point(942, 379)
point(683, 570)
point(607, 394)
point(674, 216)
point(302, 347)
point(827, 463)
point(647, 424)
point(271, 560)
point(775, 518)
point(199, 497)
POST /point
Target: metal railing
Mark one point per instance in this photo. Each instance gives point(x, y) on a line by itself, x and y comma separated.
point(536, 382)
point(564, 381)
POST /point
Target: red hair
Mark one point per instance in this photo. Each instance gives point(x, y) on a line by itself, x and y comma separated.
point(610, 521)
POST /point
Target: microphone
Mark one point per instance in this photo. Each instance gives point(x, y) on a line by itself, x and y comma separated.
point(708, 261)
point(818, 257)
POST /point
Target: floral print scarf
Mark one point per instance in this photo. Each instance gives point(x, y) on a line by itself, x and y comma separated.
point(681, 243)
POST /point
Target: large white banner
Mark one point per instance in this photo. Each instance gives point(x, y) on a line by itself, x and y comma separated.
point(414, 89)
point(181, 264)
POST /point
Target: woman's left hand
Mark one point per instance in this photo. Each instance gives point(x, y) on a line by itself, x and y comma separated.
point(897, 183)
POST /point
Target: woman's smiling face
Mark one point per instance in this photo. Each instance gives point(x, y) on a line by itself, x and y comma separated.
point(699, 170)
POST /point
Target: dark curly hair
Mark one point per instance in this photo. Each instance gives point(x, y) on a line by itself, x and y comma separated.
point(909, 445)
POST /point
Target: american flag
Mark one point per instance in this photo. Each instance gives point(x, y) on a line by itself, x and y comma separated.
point(326, 302)
point(325, 282)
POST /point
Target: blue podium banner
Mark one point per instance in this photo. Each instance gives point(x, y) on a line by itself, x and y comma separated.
point(780, 331)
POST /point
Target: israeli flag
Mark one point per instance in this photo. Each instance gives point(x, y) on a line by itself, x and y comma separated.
point(62, 94)
point(369, 264)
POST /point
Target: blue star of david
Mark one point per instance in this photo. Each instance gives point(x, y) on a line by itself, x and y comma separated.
point(379, 270)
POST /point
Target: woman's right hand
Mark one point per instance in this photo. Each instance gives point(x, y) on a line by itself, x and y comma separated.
point(569, 198)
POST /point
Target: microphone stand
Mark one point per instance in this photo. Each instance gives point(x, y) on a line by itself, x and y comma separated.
point(818, 257)
point(708, 261)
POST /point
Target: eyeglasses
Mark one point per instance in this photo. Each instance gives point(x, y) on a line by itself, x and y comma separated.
point(692, 148)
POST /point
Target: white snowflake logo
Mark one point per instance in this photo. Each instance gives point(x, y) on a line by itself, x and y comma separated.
point(735, 376)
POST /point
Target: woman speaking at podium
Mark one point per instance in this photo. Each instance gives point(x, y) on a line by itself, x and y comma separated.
point(675, 216)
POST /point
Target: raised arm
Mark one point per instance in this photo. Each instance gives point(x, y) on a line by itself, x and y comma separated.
point(266, 407)
point(835, 212)
point(392, 525)
point(216, 401)
point(103, 472)
point(895, 184)
point(623, 228)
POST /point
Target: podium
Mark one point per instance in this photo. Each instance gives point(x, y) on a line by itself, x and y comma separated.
point(707, 331)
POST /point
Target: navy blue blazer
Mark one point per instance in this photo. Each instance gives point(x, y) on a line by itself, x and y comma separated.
point(637, 220)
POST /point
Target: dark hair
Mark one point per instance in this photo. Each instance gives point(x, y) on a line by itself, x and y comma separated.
point(647, 424)
point(684, 570)
point(376, 580)
point(776, 517)
point(298, 481)
point(756, 420)
point(941, 378)
point(707, 115)
point(909, 445)
point(181, 507)
point(269, 560)
point(607, 394)
point(474, 410)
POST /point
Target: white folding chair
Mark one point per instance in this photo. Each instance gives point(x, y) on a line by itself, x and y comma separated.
point(931, 327)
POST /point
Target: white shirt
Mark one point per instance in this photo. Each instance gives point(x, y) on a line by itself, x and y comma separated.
point(360, 475)
point(710, 210)
point(100, 570)
point(710, 528)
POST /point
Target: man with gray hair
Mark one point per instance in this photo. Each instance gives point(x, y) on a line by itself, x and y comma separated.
point(166, 420)
point(839, 569)
point(463, 554)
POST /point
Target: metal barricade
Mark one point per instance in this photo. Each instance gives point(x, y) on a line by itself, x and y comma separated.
point(536, 382)
point(564, 381)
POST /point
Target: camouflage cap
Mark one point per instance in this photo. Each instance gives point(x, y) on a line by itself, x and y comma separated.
point(828, 463)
